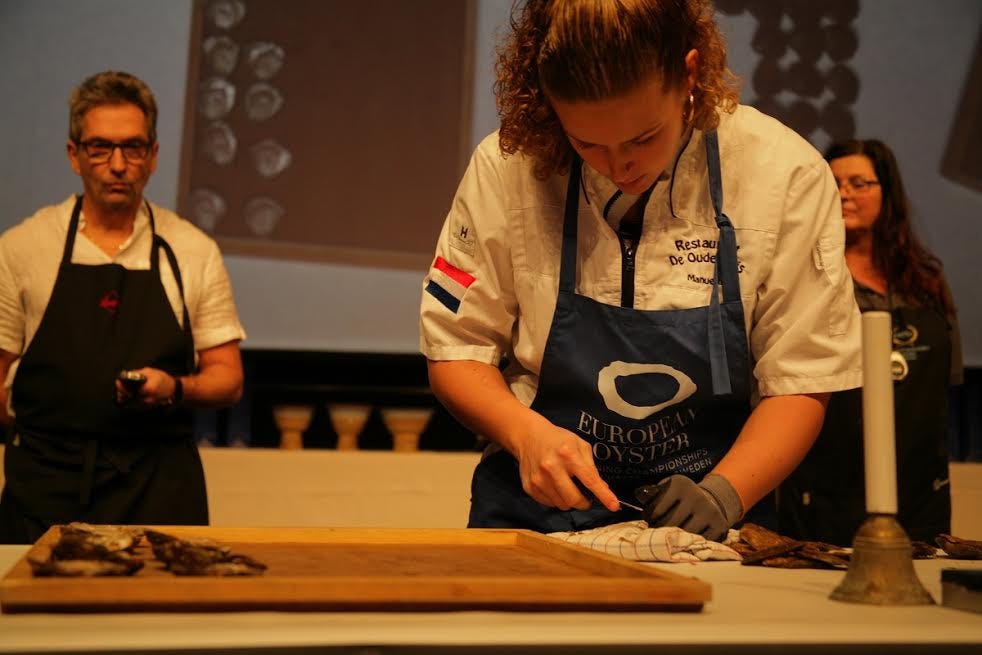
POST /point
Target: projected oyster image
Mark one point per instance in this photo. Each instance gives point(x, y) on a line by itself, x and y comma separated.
point(265, 59)
point(222, 54)
point(225, 14)
point(216, 98)
point(207, 208)
point(262, 101)
point(219, 143)
point(262, 214)
point(270, 158)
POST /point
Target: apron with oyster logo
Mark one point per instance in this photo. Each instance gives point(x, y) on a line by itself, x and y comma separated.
point(654, 392)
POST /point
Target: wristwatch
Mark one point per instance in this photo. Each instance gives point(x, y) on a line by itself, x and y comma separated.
point(178, 396)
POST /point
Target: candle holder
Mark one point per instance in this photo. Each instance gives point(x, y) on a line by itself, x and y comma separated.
point(881, 568)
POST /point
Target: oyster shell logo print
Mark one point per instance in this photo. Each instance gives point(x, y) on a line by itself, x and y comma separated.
point(262, 215)
point(607, 386)
point(265, 59)
point(270, 158)
point(219, 143)
point(222, 54)
point(226, 13)
point(217, 98)
point(262, 101)
point(207, 208)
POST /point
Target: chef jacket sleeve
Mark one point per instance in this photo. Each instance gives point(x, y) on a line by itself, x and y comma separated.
point(214, 319)
point(12, 315)
point(806, 335)
point(468, 306)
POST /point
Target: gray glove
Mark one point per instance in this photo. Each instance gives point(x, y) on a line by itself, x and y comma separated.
point(708, 508)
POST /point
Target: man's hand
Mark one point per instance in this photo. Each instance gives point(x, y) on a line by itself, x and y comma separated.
point(549, 458)
point(158, 389)
point(708, 508)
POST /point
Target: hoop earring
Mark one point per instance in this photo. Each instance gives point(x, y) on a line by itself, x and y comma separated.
point(690, 111)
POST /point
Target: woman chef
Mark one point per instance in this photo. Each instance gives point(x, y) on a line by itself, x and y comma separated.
point(639, 292)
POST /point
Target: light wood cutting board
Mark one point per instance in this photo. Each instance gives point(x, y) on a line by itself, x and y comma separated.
point(320, 569)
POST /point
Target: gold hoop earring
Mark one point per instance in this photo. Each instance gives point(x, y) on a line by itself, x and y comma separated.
point(691, 110)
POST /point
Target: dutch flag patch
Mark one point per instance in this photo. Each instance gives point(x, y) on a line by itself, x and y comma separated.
point(448, 283)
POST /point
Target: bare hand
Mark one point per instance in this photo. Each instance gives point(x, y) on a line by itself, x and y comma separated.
point(157, 390)
point(549, 458)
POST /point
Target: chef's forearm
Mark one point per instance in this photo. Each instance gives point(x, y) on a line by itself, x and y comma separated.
point(477, 395)
point(7, 358)
point(219, 380)
point(5, 417)
point(216, 387)
point(772, 443)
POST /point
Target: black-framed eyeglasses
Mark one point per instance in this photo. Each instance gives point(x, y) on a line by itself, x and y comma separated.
point(101, 150)
point(857, 184)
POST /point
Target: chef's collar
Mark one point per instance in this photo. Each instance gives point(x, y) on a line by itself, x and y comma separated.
point(610, 203)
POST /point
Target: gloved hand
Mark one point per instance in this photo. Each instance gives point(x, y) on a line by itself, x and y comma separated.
point(708, 508)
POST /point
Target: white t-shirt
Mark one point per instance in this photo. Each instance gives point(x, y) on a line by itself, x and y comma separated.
point(30, 254)
point(504, 232)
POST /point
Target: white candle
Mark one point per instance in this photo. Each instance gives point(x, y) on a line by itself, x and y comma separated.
point(878, 428)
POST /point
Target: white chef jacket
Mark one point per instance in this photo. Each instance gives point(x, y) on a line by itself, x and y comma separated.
point(30, 255)
point(498, 255)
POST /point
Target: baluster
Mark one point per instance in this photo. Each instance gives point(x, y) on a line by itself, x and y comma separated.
point(292, 420)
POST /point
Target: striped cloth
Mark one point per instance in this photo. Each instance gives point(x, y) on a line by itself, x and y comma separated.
point(634, 540)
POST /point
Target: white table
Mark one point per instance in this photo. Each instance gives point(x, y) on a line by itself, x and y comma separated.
point(753, 610)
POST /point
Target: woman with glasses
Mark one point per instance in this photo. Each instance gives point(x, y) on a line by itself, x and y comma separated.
point(639, 293)
point(892, 271)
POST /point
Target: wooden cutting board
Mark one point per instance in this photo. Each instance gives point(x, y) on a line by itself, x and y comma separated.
point(368, 570)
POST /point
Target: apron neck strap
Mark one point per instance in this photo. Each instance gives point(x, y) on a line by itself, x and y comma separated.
point(725, 272)
point(567, 266)
point(726, 261)
point(160, 244)
point(66, 256)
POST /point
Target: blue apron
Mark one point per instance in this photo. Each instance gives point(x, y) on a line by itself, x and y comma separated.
point(654, 392)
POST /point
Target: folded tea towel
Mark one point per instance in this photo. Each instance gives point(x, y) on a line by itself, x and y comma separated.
point(636, 541)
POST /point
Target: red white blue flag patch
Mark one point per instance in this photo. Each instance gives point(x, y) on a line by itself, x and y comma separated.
point(448, 283)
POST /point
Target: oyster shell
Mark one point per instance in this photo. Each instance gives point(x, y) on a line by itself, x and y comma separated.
point(85, 550)
point(83, 568)
point(200, 557)
point(959, 548)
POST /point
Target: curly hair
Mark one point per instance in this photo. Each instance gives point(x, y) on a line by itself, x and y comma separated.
point(110, 88)
point(909, 268)
point(588, 50)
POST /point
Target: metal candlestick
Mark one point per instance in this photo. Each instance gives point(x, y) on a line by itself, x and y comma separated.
point(881, 569)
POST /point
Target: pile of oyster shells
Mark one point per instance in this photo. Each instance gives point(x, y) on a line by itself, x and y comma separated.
point(85, 550)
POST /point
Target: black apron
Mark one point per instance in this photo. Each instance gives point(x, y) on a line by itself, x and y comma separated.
point(74, 454)
point(825, 498)
point(654, 392)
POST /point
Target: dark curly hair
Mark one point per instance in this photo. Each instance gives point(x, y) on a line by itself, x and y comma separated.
point(909, 268)
point(595, 49)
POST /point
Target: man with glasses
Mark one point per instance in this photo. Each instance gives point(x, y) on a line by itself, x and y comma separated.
point(116, 317)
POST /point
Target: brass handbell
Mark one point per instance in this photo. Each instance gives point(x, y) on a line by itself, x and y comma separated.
point(881, 569)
